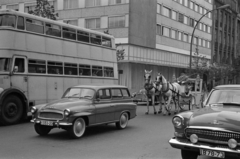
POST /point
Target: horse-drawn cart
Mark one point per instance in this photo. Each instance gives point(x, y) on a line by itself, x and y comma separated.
point(193, 96)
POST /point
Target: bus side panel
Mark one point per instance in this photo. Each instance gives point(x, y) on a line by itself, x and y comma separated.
point(35, 43)
point(54, 88)
point(37, 89)
point(83, 51)
point(69, 48)
point(108, 55)
point(7, 42)
point(96, 53)
point(54, 46)
point(84, 80)
point(69, 82)
point(20, 42)
point(97, 80)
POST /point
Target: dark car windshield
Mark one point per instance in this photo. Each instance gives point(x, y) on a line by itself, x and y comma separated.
point(224, 97)
point(79, 93)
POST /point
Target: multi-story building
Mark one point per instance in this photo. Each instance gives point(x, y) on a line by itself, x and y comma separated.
point(225, 34)
point(155, 34)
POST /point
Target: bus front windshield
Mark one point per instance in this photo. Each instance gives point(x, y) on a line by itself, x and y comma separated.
point(7, 20)
point(4, 64)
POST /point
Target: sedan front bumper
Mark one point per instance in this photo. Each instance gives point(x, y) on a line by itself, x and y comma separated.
point(187, 145)
point(55, 123)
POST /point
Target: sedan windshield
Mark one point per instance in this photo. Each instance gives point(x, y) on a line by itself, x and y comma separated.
point(225, 97)
point(4, 64)
point(79, 93)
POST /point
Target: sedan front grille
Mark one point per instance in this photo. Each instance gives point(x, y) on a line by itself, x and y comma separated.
point(51, 115)
point(213, 135)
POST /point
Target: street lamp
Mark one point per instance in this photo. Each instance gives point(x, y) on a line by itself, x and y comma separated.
point(222, 7)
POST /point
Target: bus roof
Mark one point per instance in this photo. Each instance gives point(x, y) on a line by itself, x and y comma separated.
point(10, 11)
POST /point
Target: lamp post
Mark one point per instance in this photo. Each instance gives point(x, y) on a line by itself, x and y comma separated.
point(222, 7)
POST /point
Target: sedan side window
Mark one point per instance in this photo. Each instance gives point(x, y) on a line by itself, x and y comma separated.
point(104, 94)
point(116, 93)
point(125, 93)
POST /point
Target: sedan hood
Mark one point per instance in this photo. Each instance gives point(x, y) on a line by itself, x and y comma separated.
point(226, 118)
point(67, 103)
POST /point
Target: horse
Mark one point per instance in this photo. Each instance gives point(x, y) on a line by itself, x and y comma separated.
point(150, 90)
point(169, 91)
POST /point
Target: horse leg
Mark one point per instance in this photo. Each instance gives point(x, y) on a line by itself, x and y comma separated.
point(153, 104)
point(168, 104)
point(160, 104)
point(147, 105)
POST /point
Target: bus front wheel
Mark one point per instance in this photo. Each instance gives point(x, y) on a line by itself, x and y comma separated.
point(12, 110)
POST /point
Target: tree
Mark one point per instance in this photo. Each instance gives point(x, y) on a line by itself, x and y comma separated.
point(120, 54)
point(44, 9)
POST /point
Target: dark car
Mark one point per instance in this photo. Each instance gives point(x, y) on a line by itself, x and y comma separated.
point(83, 106)
point(213, 130)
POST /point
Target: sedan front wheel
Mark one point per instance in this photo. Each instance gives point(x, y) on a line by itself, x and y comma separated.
point(78, 128)
point(123, 121)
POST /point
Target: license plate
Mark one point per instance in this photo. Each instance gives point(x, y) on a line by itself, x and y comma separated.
point(212, 153)
point(45, 122)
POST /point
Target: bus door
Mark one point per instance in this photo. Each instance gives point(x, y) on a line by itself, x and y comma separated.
point(19, 78)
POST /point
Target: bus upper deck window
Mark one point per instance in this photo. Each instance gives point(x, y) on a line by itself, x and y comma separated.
point(7, 20)
point(20, 23)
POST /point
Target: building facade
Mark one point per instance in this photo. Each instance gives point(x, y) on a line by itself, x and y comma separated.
point(155, 34)
point(225, 35)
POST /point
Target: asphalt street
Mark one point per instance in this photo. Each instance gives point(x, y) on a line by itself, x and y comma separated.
point(146, 137)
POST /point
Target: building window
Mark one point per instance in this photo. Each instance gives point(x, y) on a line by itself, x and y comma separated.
point(93, 23)
point(93, 3)
point(181, 1)
point(208, 29)
point(112, 2)
point(29, 7)
point(185, 20)
point(174, 15)
point(13, 7)
point(191, 5)
point(204, 11)
point(72, 22)
point(203, 43)
point(180, 18)
point(200, 42)
point(165, 31)
point(209, 15)
point(186, 3)
point(173, 34)
point(195, 40)
point(158, 8)
point(179, 35)
point(196, 7)
point(69, 4)
point(185, 37)
point(53, 3)
point(200, 10)
point(191, 22)
point(166, 12)
point(159, 29)
point(200, 26)
point(116, 22)
point(204, 27)
point(189, 38)
point(208, 44)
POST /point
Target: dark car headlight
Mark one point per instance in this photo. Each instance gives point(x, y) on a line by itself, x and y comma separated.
point(67, 112)
point(178, 121)
point(33, 110)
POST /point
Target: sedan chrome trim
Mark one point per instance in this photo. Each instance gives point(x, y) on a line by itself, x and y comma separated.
point(175, 142)
point(215, 141)
point(211, 128)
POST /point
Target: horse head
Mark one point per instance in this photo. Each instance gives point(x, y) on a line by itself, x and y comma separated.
point(147, 76)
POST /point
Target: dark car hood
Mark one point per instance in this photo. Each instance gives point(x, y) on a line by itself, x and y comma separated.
point(226, 118)
point(67, 103)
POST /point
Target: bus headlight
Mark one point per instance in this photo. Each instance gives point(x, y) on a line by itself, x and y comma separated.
point(33, 110)
point(66, 112)
point(177, 121)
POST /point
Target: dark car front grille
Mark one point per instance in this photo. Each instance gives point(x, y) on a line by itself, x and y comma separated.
point(51, 115)
point(212, 135)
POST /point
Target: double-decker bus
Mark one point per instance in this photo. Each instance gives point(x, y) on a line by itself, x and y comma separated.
point(40, 58)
